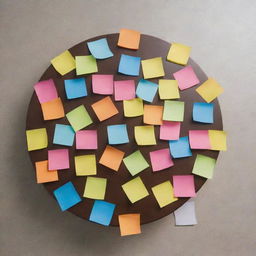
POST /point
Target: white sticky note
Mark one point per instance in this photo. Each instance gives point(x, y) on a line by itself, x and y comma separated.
point(185, 215)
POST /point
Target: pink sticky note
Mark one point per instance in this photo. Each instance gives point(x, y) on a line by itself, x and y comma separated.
point(58, 159)
point(86, 139)
point(186, 78)
point(102, 84)
point(124, 90)
point(170, 130)
point(161, 159)
point(46, 90)
point(199, 139)
point(184, 186)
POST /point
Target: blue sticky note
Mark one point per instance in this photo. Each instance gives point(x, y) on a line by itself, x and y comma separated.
point(67, 196)
point(102, 212)
point(203, 112)
point(146, 90)
point(117, 134)
point(75, 88)
point(63, 135)
point(180, 148)
point(100, 49)
point(129, 65)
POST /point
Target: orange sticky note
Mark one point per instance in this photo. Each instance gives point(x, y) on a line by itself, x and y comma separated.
point(153, 114)
point(112, 158)
point(43, 175)
point(53, 109)
point(104, 108)
point(129, 224)
point(129, 39)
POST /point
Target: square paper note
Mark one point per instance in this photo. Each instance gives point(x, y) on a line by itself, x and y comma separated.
point(179, 53)
point(53, 109)
point(64, 63)
point(199, 139)
point(85, 165)
point(218, 140)
point(129, 65)
point(161, 159)
point(42, 173)
point(184, 186)
point(117, 134)
point(170, 130)
point(153, 114)
point(86, 139)
point(173, 110)
point(46, 90)
point(204, 166)
point(203, 112)
point(180, 148)
point(58, 159)
point(75, 88)
point(152, 68)
point(145, 135)
point(63, 135)
point(129, 39)
point(37, 139)
point(124, 90)
point(133, 107)
point(168, 89)
point(100, 49)
point(146, 90)
point(86, 65)
point(185, 215)
point(129, 224)
point(102, 84)
point(95, 188)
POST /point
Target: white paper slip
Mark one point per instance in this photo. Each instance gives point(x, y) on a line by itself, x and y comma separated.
point(185, 215)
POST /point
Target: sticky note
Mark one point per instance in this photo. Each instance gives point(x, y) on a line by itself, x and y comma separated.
point(129, 65)
point(199, 139)
point(133, 107)
point(63, 135)
point(180, 148)
point(146, 90)
point(53, 109)
point(102, 212)
point(218, 140)
point(46, 90)
point(124, 90)
point(86, 139)
point(75, 88)
point(104, 108)
point(102, 84)
point(64, 63)
point(145, 135)
point(85, 165)
point(129, 39)
point(161, 159)
point(42, 173)
point(170, 130)
point(179, 53)
point(117, 134)
point(173, 110)
point(204, 166)
point(152, 68)
point(209, 90)
point(186, 78)
point(135, 189)
point(129, 224)
point(79, 118)
point(86, 65)
point(66, 196)
point(100, 49)
point(112, 158)
point(184, 186)
point(185, 215)
point(58, 159)
point(153, 114)
point(203, 112)
point(95, 188)
point(37, 139)
point(168, 89)
point(135, 163)
point(163, 193)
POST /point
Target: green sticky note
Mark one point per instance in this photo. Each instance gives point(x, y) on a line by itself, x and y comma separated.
point(95, 188)
point(173, 110)
point(204, 166)
point(85, 165)
point(86, 65)
point(145, 135)
point(135, 163)
point(37, 139)
point(79, 118)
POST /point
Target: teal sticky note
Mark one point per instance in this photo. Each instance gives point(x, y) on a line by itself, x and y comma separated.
point(129, 65)
point(75, 88)
point(203, 112)
point(117, 134)
point(100, 49)
point(63, 135)
point(180, 148)
point(146, 90)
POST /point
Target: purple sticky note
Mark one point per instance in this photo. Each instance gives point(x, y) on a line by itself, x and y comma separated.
point(46, 90)
point(199, 139)
point(124, 90)
point(170, 130)
point(58, 159)
point(86, 139)
point(184, 186)
point(161, 159)
point(102, 84)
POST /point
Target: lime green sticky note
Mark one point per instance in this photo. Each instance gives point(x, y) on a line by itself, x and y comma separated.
point(173, 110)
point(86, 65)
point(37, 139)
point(164, 193)
point(135, 189)
point(79, 118)
point(85, 165)
point(95, 188)
point(204, 166)
point(145, 135)
point(133, 107)
point(64, 63)
point(135, 163)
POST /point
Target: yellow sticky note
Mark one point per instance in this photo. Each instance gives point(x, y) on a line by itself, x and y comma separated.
point(95, 188)
point(152, 68)
point(86, 65)
point(129, 224)
point(209, 90)
point(85, 165)
point(218, 140)
point(164, 193)
point(64, 63)
point(168, 89)
point(179, 53)
point(145, 135)
point(37, 139)
point(133, 107)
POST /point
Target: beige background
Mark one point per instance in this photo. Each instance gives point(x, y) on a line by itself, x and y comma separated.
point(222, 34)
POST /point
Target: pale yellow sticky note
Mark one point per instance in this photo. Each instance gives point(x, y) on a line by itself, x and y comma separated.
point(218, 140)
point(95, 188)
point(209, 90)
point(145, 135)
point(168, 89)
point(133, 107)
point(37, 139)
point(152, 68)
point(85, 165)
point(179, 53)
point(64, 63)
